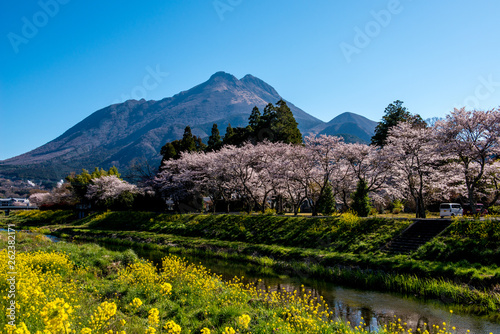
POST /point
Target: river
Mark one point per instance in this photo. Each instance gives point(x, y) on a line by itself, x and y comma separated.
point(351, 305)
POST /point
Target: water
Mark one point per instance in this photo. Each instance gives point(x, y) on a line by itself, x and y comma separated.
point(376, 308)
point(51, 237)
point(351, 305)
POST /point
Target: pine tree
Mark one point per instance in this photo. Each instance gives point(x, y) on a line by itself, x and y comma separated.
point(188, 143)
point(199, 145)
point(228, 136)
point(361, 201)
point(326, 202)
point(214, 141)
point(255, 118)
point(168, 152)
point(394, 114)
point(284, 125)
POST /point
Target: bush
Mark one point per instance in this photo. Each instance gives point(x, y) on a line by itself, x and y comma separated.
point(397, 207)
point(361, 201)
point(326, 203)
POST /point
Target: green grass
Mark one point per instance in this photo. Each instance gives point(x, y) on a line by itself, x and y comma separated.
point(459, 266)
point(197, 299)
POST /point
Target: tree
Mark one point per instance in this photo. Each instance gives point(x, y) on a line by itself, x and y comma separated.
point(284, 125)
point(228, 137)
point(413, 154)
point(471, 138)
point(394, 114)
point(367, 163)
point(361, 201)
point(255, 118)
point(170, 151)
point(79, 182)
point(326, 154)
point(326, 202)
point(109, 190)
point(214, 141)
point(188, 143)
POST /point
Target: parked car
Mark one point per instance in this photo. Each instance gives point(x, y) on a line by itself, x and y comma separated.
point(450, 209)
point(480, 210)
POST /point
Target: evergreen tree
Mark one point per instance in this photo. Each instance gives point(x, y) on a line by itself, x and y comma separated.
point(284, 125)
point(255, 118)
point(168, 152)
point(394, 113)
point(199, 145)
point(361, 201)
point(214, 141)
point(229, 134)
point(326, 202)
point(188, 143)
point(268, 116)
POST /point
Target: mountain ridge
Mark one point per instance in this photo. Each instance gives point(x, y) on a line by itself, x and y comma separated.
point(136, 129)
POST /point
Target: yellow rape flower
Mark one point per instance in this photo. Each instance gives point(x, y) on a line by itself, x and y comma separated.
point(153, 317)
point(136, 302)
point(205, 331)
point(243, 321)
point(166, 288)
point(55, 316)
point(229, 330)
point(172, 327)
point(102, 315)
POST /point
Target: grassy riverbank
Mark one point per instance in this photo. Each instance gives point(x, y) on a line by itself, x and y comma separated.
point(84, 288)
point(343, 249)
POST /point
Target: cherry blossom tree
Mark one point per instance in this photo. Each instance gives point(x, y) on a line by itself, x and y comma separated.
point(60, 196)
point(326, 153)
point(472, 139)
point(40, 199)
point(107, 189)
point(411, 151)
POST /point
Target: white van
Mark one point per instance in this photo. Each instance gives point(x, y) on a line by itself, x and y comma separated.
point(450, 209)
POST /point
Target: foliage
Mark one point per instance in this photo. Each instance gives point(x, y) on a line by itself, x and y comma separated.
point(397, 206)
point(470, 139)
point(214, 141)
point(79, 182)
point(130, 299)
point(361, 201)
point(326, 202)
point(394, 113)
point(188, 143)
point(110, 191)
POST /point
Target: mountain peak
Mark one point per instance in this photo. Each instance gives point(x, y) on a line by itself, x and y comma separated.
point(223, 75)
point(122, 133)
point(255, 82)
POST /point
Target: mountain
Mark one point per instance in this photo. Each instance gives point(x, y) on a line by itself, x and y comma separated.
point(353, 127)
point(136, 130)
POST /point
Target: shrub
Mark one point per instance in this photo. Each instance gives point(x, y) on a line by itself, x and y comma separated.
point(361, 201)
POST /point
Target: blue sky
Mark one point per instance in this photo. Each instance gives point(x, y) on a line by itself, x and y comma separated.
point(64, 59)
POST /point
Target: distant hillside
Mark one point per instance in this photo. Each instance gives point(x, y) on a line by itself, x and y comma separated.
point(353, 127)
point(122, 133)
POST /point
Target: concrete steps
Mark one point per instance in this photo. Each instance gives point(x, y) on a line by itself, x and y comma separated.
point(417, 234)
